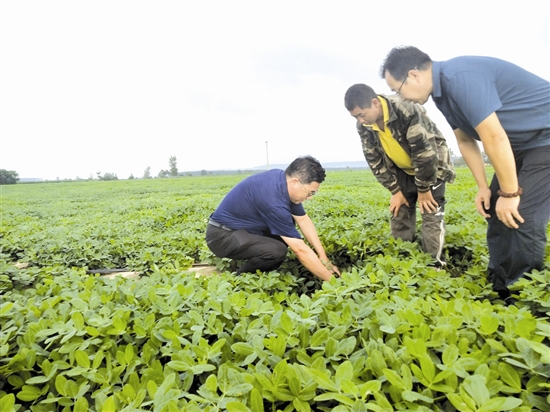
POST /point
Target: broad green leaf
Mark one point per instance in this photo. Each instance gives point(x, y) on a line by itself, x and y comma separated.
point(129, 354)
point(7, 403)
point(509, 375)
point(256, 400)
point(198, 369)
point(459, 403)
point(98, 358)
point(29, 393)
point(5, 308)
point(334, 396)
point(450, 355)
point(489, 324)
point(395, 379)
point(128, 392)
point(60, 381)
point(71, 388)
point(378, 363)
point(323, 381)
point(428, 367)
point(526, 327)
point(78, 320)
point(81, 405)
point(301, 406)
point(344, 371)
point(82, 359)
point(239, 390)
point(319, 338)
point(279, 346)
point(37, 380)
point(211, 383)
point(416, 347)
point(411, 396)
point(294, 385)
point(236, 407)
point(369, 387)
point(477, 389)
point(179, 366)
point(538, 347)
point(347, 387)
point(511, 404)
point(152, 388)
point(217, 346)
point(242, 348)
point(109, 404)
point(283, 395)
point(287, 323)
point(264, 381)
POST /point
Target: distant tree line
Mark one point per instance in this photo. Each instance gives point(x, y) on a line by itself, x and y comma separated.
point(8, 177)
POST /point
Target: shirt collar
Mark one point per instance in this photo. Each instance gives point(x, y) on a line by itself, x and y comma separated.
point(385, 113)
point(436, 78)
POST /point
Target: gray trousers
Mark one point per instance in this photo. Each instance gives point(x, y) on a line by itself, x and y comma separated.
point(513, 252)
point(403, 226)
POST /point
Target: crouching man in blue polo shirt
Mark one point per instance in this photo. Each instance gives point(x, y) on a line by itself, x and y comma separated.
point(507, 108)
point(256, 220)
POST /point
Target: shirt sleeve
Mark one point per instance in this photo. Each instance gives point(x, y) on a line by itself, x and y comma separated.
point(375, 158)
point(421, 136)
point(280, 222)
point(475, 94)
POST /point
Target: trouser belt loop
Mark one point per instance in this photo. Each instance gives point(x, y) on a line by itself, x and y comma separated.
point(214, 223)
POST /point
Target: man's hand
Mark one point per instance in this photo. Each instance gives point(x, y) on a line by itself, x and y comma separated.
point(330, 266)
point(483, 202)
point(395, 203)
point(426, 202)
point(507, 211)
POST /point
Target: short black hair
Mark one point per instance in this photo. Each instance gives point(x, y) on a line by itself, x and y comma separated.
point(359, 95)
point(307, 169)
point(401, 59)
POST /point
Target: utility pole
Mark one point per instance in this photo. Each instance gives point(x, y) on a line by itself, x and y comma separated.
point(267, 155)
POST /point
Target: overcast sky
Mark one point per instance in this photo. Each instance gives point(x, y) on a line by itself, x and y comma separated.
point(117, 86)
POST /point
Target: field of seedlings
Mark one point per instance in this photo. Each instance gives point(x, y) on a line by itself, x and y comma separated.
point(392, 334)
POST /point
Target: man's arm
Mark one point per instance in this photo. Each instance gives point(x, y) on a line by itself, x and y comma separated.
point(497, 147)
point(312, 261)
point(472, 156)
point(421, 135)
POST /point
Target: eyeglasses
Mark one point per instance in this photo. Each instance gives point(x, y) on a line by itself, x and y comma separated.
point(309, 192)
point(402, 83)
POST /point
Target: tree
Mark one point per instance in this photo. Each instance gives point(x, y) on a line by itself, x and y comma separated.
point(147, 173)
point(109, 176)
point(163, 173)
point(8, 177)
point(173, 162)
point(131, 176)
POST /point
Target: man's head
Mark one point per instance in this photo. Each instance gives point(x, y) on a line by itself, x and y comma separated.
point(363, 104)
point(408, 72)
point(304, 175)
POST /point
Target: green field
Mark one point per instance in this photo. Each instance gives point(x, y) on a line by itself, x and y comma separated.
point(392, 333)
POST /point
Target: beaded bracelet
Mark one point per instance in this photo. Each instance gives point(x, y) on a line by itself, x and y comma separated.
point(514, 194)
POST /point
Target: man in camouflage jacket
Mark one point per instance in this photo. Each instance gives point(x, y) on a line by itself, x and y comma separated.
point(409, 156)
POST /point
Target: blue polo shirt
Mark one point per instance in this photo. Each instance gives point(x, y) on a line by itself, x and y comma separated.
point(468, 89)
point(261, 205)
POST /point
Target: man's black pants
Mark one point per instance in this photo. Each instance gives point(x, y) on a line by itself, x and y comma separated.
point(513, 252)
point(262, 253)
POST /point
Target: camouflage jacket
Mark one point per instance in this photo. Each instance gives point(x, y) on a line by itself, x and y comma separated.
point(418, 136)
